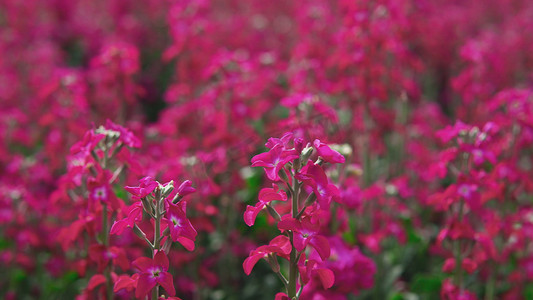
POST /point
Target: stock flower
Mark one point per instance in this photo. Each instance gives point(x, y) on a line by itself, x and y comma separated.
point(328, 154)
point(145, 188)
point(310, 268)
point(153, 272)
point(305, 232)
point(126, 282)
point(89, 143)
point(314, 176)
point(284, 141)
point(280, 245)
point(100, 190)
point(185, 188)
point(281, 296)
point(274, 160)
point(134, 212)
point(126, 137)
point(102, 255)
point(450, 291)
point(266, 195)
point(180, 227)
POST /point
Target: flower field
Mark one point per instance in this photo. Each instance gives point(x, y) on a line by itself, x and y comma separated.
point(226, 149)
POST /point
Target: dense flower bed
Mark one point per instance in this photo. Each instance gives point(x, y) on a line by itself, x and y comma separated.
point(253, 149)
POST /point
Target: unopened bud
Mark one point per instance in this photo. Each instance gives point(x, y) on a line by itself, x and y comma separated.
point(310, 200)
point(306, 153)
point(273, 212)
point(167, 189)
point(147, 205)
point(273, 262)
point(283, 175)
point(298, 144)
point(157, 193)
point(167, 245)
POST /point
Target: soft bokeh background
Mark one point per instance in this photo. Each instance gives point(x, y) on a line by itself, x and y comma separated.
point(204, 84)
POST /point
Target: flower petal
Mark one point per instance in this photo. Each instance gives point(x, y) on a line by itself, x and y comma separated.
point(166, 281)
point(145, 284)
point(161, 259)
point(250, 262)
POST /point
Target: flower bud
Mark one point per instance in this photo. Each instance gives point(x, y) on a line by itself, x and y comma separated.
point(306, 153)
point(273, 262)
point(167, 189)
point(273, 212)
point(167, 245)
point(283, 175)
point(147, 205)
point(298, 144)
point(310, 200)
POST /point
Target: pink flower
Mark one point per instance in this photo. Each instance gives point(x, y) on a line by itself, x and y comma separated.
point(280, 245)
point(126, 136)
point(102, 255)
point(89, 143)
point(314, 176)
point(313, 268)
point(153, 272)
point(134, 212)
point(274, 160)
point(450, 291)
point(266, 195)
point(281, 296)
point(328, 154)
point(126, 282)
point(145, 188)
point(283, 141)
point(185, 188)
point(180, 227)
point(305, 232)
point(100, 190)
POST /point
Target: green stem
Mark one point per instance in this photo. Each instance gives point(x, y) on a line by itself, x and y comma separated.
point(157, 241)
point(107, 271)
point(458, 254)
point(293, 267)
point(489, 288)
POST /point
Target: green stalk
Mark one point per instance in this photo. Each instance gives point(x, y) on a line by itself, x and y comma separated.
point(157, 240)
point(107, 271)
point(458, 254)
point(293, 267)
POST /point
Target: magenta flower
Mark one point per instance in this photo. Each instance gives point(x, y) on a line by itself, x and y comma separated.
point(134, 212)
point(305, 232)
point(146, 187)
point(102, 255)
point(126, 136)
point(100, 190)
point(328, 154)
point(274, 160)
point(266, 195)
point(181, 229)
point(185, 188)
point(313, 268)
point(89, 143)
point(126, 282)
point(314, 176)
point(283, 141)
point(153, 272)
point(280, 245)
point(281, 296)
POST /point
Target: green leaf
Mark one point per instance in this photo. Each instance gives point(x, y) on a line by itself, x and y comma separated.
point(426, 283)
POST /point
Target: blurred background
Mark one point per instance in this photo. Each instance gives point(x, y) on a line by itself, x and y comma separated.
point(204, 84)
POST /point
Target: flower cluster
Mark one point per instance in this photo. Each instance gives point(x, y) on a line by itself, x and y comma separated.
point(166, 207)
point(299, 168)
